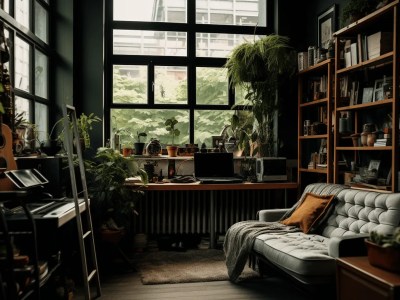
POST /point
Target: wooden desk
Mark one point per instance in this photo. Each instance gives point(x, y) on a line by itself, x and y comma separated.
point(357, 279)
point(197, 186)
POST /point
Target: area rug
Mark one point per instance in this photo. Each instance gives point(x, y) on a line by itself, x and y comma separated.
point(160, 267)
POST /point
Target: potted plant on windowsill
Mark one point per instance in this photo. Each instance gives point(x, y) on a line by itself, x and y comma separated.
point(138, 145)
point(260, 67)
point(174, 132)
point(84, 124)
point(384, 250)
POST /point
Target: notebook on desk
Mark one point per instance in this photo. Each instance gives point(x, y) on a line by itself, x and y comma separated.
point(215, 168)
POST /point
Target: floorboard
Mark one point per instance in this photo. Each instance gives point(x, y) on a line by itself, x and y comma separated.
point(128, 286)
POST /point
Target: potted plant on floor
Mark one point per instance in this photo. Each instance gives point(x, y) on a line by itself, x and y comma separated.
point(174, 132)
point(113, 202)
point(138, 145)
point(260, 67)
point(384, 250)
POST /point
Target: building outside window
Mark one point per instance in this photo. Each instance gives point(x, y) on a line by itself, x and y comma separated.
point(168, 60)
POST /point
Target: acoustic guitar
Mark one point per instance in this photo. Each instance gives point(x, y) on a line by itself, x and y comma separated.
point(7, 161)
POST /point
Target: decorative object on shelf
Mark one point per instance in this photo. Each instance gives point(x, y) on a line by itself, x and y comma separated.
point(170, 127)
point(384, 250)
point(259, 67)
point(354, 10)
point(138, 145)
point(326, 27)
point(153, 148)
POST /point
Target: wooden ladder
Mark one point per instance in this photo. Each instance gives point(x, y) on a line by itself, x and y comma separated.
point(85, 237)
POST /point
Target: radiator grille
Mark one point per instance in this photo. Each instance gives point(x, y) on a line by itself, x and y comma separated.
point(178, 212)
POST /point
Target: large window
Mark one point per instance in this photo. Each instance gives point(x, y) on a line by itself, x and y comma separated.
point(166, 59)
point(27, 34)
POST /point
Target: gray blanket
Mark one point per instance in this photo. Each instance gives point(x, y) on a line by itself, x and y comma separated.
point(240, 237)
point(239, 242)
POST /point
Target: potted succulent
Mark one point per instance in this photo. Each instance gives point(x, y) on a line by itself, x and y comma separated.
point(138, 145)
point(384, 250)
point(259, 67)
point(113, 202)
point(170, 127)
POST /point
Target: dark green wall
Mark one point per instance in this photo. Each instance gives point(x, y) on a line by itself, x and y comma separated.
point(62, 78)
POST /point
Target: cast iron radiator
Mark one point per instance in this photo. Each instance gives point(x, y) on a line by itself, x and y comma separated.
point(182, 212)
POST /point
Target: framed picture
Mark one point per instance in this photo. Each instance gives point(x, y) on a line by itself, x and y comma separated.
point(216, 140)
point(378, 90)
point(326, 26)
point(367, 95)
point(374, 165)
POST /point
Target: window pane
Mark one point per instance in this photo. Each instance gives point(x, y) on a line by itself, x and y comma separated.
point(151, 121)
point(22, 106)
point(41, 22)
point(170, 85)
point(143, 42)
point(7, 6)
point(219, 44)
point(208, 123)
point(42, 121)
point(22, 65)
point(41, 74)
point(130, 84)
point(150, 11)
point(22, 12)
point(231, 12)
point(240, 94)
point(211, 86)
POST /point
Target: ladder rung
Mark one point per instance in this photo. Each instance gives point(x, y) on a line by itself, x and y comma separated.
point(90, 277)
point(87, 233)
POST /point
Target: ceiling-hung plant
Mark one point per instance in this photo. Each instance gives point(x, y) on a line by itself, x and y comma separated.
point(260, 67)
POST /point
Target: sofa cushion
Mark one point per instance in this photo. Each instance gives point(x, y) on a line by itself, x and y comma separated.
point(360, 211)
point(310, 211)
point(300, 253)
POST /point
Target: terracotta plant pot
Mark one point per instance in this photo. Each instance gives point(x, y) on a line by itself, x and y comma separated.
point(387, 258)
point(172, 150)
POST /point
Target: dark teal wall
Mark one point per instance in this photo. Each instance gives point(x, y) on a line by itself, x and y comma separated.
point(88, 62)
point(62, 78)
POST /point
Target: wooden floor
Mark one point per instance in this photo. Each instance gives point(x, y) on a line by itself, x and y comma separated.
point(129, 286)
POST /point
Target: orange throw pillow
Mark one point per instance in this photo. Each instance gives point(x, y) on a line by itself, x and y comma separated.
point(309, 212)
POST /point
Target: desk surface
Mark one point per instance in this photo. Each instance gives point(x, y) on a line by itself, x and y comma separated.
point(197, 186)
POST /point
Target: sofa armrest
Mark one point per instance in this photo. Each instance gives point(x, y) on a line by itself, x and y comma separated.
point(349, 245)
point(271, 215)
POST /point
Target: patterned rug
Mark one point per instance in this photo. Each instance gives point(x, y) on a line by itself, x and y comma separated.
point(160, 267)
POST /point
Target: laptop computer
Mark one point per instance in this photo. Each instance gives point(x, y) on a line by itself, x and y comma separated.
point(215, 167)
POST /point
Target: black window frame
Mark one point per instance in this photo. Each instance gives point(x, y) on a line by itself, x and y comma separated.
point(191, 61)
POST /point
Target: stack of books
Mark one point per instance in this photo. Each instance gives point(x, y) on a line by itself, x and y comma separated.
point(383, 142)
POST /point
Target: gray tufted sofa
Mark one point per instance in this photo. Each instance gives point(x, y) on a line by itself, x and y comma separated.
point(310, 258)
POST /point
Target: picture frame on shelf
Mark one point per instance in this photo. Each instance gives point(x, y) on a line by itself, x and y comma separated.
point(367, 95)
point(216, 140)
point(326, 26)
point(374, 165)
point(378, 90)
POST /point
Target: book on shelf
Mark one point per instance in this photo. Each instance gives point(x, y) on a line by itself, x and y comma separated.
point(302, 60)
point(379, 43)
point(354, 54)
point(383, 142)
